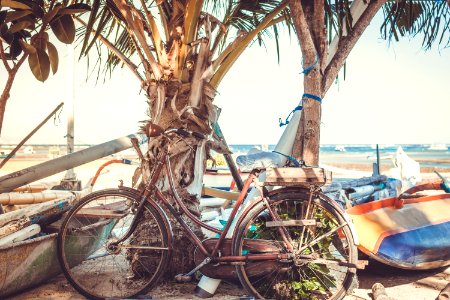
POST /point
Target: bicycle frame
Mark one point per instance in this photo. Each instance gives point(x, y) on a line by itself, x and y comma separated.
point(163, 161)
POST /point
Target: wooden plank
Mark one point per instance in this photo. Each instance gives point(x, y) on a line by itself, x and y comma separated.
point(219, 193)
point(297, 176)
point(291, 223)
point(43, 213)
point(35, 210)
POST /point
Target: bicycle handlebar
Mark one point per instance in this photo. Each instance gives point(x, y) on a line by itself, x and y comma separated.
point(155, 130)
point(187, 133)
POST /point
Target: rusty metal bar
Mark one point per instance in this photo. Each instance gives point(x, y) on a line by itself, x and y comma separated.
point(237, 205)
point(291, 223)
point(253, 257)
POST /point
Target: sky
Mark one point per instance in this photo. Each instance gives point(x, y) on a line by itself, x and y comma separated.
point(392, 94)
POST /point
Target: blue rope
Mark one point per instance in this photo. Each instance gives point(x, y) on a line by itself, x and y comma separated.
point(308, 69)
point(305, 95)
point(297, 163)
point(287, 118)
point(314, 97)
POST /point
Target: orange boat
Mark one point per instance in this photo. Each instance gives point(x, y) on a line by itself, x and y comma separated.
point(408, 232)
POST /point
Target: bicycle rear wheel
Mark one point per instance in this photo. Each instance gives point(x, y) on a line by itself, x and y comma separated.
point(322, 263)
point(93, 265)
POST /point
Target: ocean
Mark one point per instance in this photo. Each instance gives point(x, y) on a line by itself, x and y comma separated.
point(428, 155)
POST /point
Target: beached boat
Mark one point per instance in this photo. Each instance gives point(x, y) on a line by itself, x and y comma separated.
point(28, 263)
point(438, 147)
point(406, 232)
point(340, 148)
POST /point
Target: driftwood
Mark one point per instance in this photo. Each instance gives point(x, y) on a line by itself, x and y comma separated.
point(44, 213)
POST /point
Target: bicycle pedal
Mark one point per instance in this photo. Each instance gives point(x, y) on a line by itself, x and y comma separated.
point(183, 278)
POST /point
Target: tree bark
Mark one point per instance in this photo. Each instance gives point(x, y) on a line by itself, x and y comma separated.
point(311, 37)
point(308, 19)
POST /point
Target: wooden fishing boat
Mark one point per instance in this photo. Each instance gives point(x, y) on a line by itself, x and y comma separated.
point(409, 232)
point(28, 263)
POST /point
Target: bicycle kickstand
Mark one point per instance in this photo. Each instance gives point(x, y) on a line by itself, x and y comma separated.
point(183, 278)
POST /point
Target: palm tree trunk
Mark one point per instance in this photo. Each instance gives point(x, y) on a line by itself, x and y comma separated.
point(310, 34)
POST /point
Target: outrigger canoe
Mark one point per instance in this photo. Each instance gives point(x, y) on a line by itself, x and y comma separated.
point(409, 231)
point(28, 263)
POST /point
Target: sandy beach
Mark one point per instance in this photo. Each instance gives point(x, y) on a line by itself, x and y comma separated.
point(400, 284)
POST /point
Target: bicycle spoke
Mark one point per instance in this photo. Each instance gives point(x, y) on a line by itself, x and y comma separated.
point(321, 258)
point(94, 264)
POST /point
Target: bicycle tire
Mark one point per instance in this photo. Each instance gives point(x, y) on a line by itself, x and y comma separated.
point(298, 278)
point(98, 271)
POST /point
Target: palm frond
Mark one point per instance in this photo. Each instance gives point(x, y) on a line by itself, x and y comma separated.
point(428, 19)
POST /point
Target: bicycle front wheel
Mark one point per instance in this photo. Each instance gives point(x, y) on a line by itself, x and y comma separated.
point(94, 264)
point(321, 262)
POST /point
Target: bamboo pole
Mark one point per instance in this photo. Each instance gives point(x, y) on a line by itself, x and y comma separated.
point(34, 188)
point(39, 197)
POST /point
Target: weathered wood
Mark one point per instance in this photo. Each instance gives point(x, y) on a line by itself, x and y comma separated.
point(14, 226)
point(219, 193)
point(33, 261)
point(297, 176)
point(20, 235)
point(37, 214)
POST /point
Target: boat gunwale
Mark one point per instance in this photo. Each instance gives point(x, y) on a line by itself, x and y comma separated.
point(392, 202)
point(29, 241)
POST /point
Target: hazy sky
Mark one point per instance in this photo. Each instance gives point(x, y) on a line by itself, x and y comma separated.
point(391, 95)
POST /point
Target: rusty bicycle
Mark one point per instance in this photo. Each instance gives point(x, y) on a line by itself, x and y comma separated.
point(290, 243)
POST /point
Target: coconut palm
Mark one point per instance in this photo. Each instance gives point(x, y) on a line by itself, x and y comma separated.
point(328, 30)
point(180, 50)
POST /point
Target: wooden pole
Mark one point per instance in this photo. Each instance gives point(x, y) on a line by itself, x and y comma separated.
point(5, 160)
